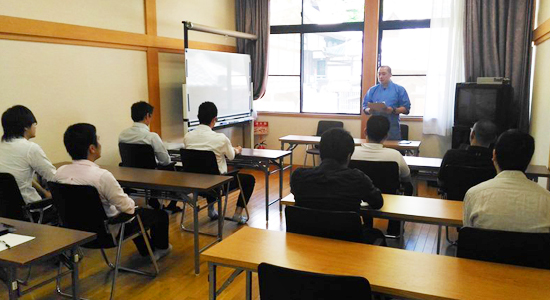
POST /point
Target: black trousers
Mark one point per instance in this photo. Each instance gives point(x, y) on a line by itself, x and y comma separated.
point(154, 220)
point(247, 183)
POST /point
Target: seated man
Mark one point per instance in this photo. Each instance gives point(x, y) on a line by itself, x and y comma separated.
point(21, 157)
point(510, 201)
point(377, 131)
point(332, 183)
point(83, 146)
point(477, 154)
point(139, 133)
point(204, 138)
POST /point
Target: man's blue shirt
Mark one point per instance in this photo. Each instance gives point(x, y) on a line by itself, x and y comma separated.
point(395, 96)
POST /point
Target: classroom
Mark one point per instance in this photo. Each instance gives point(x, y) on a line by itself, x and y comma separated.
point(77, 61)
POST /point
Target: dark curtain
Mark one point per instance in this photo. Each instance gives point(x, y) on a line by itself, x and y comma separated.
point(252, 16)
point(497, 41)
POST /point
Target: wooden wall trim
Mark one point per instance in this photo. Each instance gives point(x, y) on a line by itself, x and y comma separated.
point(35, 30)
point(542, 33)
point(151, 17)
point(153, 88)
point(370, 52)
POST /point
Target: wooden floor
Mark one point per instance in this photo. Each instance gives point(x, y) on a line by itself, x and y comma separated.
point(177, 279)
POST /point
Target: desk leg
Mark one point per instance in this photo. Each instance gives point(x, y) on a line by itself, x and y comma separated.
point(196, 231)
point(248, 285)
point(211, 281)
point(438, 238)
point(281, 167)
point(266, 173)
point(13, 286)
point(74, 267)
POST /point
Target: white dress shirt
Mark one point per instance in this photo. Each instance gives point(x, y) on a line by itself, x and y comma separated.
point(508, 202)
point(377, 152)
point(139, 133)
point(204, 138)
point(21, 158)
point(85, 172)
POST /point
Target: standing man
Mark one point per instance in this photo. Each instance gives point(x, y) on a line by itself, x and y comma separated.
point(394, 97)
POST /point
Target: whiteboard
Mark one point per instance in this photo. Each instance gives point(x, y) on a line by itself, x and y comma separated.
point(219, 77)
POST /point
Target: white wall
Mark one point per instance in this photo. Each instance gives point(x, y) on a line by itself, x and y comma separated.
point(65, 84)
point(541, 91)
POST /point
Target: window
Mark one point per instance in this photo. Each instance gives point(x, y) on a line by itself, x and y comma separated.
point(315, 57)
point(403, 45)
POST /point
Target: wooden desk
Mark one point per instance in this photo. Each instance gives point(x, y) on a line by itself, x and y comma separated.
point(414, 209)
point(49, 241)
point(170, 181)
point(390, 271)
point(430, 167)
point(261, 159)
point(294, 140)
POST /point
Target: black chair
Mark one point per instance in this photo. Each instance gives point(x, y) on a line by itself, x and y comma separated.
point(339, 225)
point(141, 156)
point(515, 248)
point(13, 206)
point(278, 283)
point(137, 156)
point(322, 126)
point(385, 176)
point(205, 162)
point(80, 208)
point(404, 131)
point(462, 178)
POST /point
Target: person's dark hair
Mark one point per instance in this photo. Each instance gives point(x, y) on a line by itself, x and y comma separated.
point(514, 150)
point(78, 138)
point(15, 120)
point(207, 112)
point(387, 68)
point(140, 110)
point(485, 132)
point(377, 128)
point(336, 143)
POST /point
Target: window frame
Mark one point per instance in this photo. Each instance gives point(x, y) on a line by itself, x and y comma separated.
point(316, 28)
point(397, 25)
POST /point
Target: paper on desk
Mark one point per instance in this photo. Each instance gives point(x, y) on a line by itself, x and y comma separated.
point(13, 240)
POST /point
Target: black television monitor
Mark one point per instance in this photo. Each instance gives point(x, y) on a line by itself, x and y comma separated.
point(474, 102)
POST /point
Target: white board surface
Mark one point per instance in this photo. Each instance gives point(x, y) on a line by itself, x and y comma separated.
point(219, 77)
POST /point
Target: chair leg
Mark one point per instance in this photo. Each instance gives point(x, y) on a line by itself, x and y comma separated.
point(313, 157)
point(183, 215)
point(305, 157)
point(117, 260)
point(149, 249)
point(242, 198)
point(107, 261)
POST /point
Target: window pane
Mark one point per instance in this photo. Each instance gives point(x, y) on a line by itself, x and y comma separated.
point(416, 89)
point(332, 72)
point(285, 12)
point(407, 10)
point(333, 11)
point(282, 94)
point(406, 50)
point(284, 54)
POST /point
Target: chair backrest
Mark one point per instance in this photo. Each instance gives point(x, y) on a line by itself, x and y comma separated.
point(340, 225)
point(199, 161)
point(462, 178)
point(137, 156)
point(80, 208)
point(325, 125)
point(515, 248)
point(384, 174)
point(404, 131)
point(278, 283)
point(11, 201)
